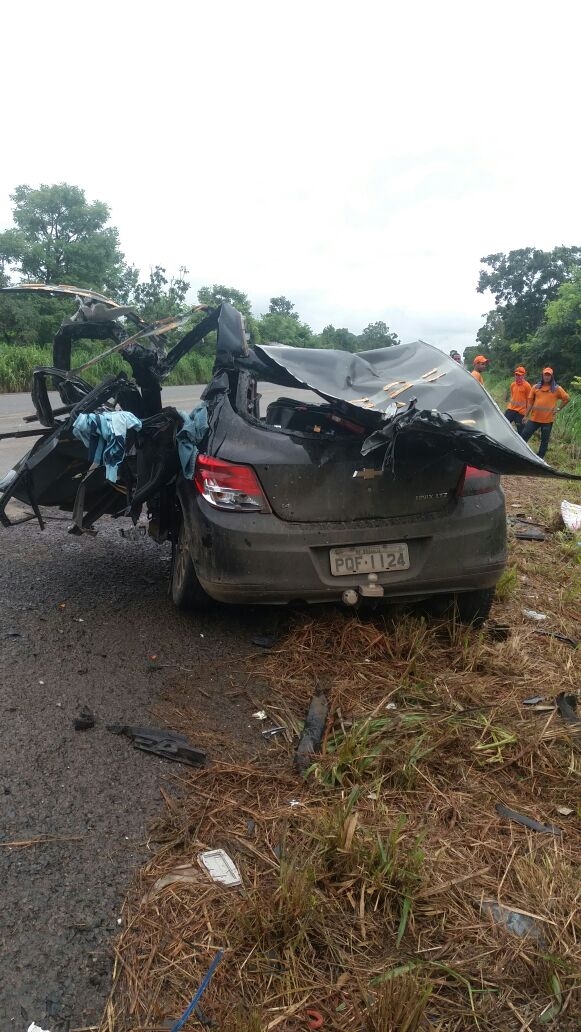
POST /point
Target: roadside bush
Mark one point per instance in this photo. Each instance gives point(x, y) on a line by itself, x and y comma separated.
point(17, 364)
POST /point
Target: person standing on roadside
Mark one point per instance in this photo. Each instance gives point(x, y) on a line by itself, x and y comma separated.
point(456, 356)
point(479, 366)
point(517, 396)
point(542, 408)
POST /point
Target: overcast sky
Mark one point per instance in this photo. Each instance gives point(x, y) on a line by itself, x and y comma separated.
point(359, 158)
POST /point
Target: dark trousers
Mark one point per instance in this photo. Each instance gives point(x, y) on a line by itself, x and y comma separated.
point(516, 418)
point(531, 428)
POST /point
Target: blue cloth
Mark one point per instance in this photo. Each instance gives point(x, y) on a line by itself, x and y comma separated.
point(103, 434)
point(190, 437)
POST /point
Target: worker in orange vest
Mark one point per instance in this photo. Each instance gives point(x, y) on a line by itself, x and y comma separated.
point(517, 396)
point(542, 408)
point(479, 366)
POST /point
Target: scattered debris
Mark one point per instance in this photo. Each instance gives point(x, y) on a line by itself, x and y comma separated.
point(391, 705)
point(526, 822)
point(11, 633)
point(265, 641)
point(271, 731)
point(565, 811)
point(571, 514)
point(533, 701)
point(311, 737)
point(260, 714)
point(185, 874)
point(567, 706)
point(533, 615)
point(515, 922)
point(85, 720)
point(499, 632)
point(168, 744)
point(314, 1018)
point(203, 986)
point(36, 1028)
point(573, 642)
point(220, 867)
point(524, 530)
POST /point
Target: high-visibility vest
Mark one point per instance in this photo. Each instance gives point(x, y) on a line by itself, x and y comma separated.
point(519, 395)
point(543, 403)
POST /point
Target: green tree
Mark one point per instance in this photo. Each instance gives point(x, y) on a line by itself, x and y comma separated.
point(342, 338)
point(158, 297)
point(282, 306)
point(218, 293)
point(285, 329)
point(376, 335)
point(523, 282)
point(558, 341)
point(60, 237)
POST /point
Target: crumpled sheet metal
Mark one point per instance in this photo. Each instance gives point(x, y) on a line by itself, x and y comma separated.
point(412, 389)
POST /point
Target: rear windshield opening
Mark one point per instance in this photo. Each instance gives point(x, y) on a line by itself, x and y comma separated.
point(302, 411)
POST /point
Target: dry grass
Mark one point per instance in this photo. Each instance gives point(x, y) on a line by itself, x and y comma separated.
point(367, 902)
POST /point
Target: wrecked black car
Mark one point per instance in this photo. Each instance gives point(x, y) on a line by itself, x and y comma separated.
point(377, 476)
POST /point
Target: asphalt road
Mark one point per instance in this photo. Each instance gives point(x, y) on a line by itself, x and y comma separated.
point(13, 408)
point(80, 619)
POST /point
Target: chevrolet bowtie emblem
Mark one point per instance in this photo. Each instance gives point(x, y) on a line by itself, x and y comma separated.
point(367, 474)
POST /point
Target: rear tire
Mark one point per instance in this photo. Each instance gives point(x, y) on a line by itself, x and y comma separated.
point(473, 607)
point(186, 590)
point(468, 607)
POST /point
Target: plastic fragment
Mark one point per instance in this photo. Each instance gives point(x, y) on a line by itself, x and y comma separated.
point(533, 615)
point(519, 924)
point(565, 811)
point(571, 514)
point(526, 821)
point(220, 867)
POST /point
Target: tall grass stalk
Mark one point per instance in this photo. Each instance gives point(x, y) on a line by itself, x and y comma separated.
point(17, 364)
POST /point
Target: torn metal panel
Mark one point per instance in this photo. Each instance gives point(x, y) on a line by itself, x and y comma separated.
point(447, 409)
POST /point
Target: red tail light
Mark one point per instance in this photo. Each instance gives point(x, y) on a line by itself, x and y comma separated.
point(229, 485)
point(476, 481)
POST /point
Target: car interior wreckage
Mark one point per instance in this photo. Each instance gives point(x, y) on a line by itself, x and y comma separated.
point(388, 419)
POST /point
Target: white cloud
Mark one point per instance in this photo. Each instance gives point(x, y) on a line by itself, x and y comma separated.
point(359, 159)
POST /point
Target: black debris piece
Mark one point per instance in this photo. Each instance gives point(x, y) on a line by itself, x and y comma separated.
point(85, 720)
point(573, 642)
point(265, 641)
point(526, 822)
point(567, 706)
point(529, 534)
point(167, 744)
point(311, 737)
point(499, 632)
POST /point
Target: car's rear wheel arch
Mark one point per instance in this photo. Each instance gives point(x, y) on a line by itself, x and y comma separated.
point(186, 590)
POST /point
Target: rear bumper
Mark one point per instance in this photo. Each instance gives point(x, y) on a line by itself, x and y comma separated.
point(259, 558)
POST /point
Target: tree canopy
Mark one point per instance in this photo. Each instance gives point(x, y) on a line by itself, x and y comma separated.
point(537, 304)
point(59, 236)
point(524, 281)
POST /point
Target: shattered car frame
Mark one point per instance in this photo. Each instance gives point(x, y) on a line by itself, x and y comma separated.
point(381, 483)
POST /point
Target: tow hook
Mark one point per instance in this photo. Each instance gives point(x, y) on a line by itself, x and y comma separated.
point(370, 590)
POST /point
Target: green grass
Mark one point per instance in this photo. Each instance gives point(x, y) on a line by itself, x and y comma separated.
point(17, 364)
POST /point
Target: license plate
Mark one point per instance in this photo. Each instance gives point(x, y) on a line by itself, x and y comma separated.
point(345, 562)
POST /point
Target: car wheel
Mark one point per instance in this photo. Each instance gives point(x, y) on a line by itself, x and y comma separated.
point(473, 607)
point(186, 590)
